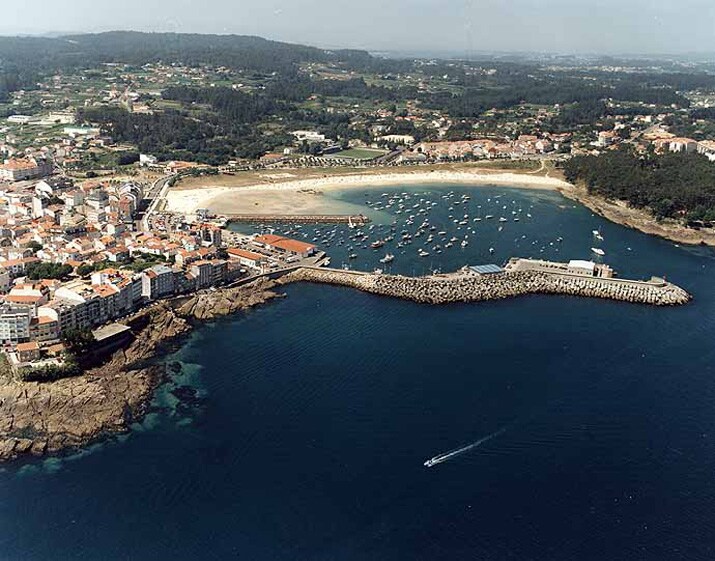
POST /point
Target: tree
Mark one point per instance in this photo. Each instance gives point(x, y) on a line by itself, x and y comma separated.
point(78, 341)
point(85, 269)
point(42, 270)
point(34, 246)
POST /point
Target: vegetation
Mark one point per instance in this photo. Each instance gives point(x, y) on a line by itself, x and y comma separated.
point(78, 341)
point(670, 185)
point(45, 270)
point(51, 372)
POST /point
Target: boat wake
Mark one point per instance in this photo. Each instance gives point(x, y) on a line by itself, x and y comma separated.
point(441, 458)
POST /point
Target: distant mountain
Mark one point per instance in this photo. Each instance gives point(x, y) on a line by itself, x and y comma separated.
point(235, 51)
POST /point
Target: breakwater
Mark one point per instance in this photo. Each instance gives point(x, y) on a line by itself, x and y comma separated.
point(357, 220)
point(465, 287)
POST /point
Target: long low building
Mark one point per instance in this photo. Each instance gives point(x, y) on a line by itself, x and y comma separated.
point(574, 267)
point(285, 245)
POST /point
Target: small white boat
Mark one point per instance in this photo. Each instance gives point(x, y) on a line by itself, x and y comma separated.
point(598, 251)
point(389, 258)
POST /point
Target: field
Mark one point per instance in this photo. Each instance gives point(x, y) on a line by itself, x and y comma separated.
point(359, 154)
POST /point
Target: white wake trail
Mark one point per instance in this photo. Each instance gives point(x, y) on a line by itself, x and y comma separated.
point(441, 458)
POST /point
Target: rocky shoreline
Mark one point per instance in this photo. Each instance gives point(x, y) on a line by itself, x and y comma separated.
point(50, 418)
point(640, 220)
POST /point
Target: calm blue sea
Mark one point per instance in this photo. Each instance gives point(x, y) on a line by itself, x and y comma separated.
point(298, 431)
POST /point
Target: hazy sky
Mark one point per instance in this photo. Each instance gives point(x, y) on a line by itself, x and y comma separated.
point(607, 26)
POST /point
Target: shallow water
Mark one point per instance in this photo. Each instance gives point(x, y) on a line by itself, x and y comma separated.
point(301, 428)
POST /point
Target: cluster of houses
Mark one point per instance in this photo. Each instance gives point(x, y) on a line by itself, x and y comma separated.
point(110, 268)
point(659, 138)
point(485, 148)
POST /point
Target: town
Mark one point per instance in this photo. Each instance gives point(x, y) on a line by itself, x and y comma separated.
point(75, 258)
point(89, 153)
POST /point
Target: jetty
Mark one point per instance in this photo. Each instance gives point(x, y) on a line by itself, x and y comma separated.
point(466, 285)
point(357, 220)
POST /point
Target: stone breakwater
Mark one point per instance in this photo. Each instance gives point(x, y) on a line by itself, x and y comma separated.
point(458, 287)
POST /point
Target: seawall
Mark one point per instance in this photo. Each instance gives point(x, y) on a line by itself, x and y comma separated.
point(459, 287)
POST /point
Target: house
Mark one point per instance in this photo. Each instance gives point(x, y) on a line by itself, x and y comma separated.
point(27, 352)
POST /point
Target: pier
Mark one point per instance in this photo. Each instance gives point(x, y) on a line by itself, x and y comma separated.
point(358, 220)
point(466, 286)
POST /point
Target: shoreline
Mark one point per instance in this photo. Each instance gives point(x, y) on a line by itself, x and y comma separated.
point(287, 192)
point(637, 219)
point(279, 194)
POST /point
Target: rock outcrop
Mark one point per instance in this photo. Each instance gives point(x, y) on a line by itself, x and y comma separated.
point(48, 418)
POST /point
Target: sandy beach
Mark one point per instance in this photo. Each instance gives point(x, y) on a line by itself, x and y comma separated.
point(287, 194)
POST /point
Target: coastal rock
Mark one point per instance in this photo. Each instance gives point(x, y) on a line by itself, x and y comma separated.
point(48, 418)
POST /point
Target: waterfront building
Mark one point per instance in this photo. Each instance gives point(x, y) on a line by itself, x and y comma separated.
point(285, 245)
point(246, 258)
point(574, 267)
point(157, 282)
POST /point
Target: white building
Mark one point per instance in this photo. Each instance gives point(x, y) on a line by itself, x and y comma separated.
point(15, 324)
point(309, 136)
point(157, 282)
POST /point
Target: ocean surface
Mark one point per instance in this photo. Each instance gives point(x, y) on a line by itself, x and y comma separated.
point(582, 429)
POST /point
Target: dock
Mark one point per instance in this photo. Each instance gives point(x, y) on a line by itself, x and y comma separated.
point(357, 220)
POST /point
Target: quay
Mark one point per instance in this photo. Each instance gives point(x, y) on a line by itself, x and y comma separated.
point(467, 286)
point(358, 220)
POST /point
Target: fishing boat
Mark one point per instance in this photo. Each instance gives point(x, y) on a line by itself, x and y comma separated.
point(377, 244)
point(389, 258)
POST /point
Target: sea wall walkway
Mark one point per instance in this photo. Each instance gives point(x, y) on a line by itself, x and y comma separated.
point(464, 287)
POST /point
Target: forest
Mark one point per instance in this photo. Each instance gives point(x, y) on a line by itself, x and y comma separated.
point(670, 185)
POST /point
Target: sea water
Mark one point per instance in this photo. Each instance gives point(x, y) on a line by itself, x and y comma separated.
point(299, 430)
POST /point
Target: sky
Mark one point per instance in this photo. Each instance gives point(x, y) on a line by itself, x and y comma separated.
point(456, 26)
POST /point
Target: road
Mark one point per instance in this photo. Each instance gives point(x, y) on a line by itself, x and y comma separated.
point(157, 193)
